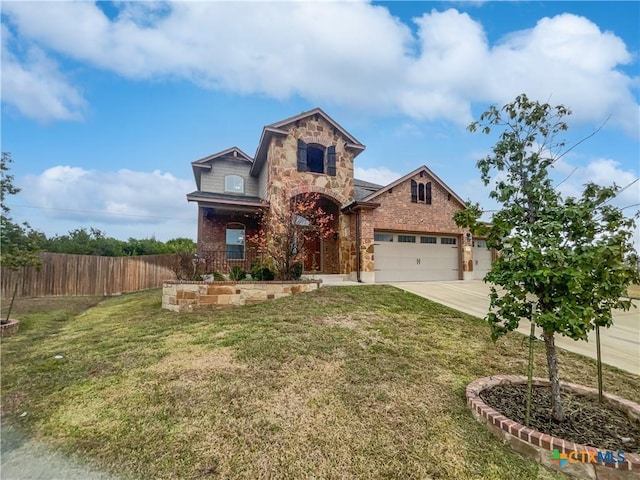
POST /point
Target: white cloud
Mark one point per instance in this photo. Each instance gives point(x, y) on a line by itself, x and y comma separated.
point(36, 87)
point(348, 53)
point(379, 175)
point(124, 197)
point(604, 172)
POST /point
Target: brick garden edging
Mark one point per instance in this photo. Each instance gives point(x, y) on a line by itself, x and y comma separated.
point(185, 296)
point(9, 328)
point(539, 446)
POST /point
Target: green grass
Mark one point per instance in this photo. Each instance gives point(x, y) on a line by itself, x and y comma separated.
point(344, 383)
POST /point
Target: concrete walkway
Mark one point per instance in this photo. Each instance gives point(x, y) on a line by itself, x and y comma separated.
point(28, 459)
point(620, 343)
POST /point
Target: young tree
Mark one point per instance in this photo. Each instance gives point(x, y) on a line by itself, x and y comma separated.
point(552, 251)
point(18, 242)
point(287, 224)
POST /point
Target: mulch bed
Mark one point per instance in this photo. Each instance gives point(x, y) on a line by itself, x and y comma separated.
point(587, 422)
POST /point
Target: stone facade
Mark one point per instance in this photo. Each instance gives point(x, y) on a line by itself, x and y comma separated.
point(283, 174)
point(193, 296)
point(275, 169)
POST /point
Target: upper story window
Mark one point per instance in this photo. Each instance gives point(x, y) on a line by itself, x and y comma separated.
point(316, 158)
point(421, 192)
point(234, 184)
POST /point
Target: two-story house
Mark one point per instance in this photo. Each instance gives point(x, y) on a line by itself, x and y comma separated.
point(403, 231)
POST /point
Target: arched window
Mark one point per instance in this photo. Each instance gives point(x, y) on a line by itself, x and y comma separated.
point(234, 184)
point(421, 192)
point(235, 241)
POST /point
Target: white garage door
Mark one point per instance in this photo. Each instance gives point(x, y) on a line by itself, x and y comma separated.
point(401, 257)
point(481, 259)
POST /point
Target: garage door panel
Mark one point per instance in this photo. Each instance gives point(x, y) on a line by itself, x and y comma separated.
point(400, 261)
point(481, 262)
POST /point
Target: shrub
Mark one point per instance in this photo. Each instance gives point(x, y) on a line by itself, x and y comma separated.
point(296, 271)
point(237, 273)
point(218, 277)
point(261, 273)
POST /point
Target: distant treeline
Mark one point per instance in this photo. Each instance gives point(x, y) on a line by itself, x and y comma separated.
point(94, 242)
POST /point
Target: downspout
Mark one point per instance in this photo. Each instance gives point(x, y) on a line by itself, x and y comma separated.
point(358, 252)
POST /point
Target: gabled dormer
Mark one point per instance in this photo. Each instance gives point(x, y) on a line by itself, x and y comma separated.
point(307, 160)
point(311, 150)
point(225, 172)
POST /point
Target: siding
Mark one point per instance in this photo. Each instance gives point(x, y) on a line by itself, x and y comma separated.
point(213, 180)
point(262, 181)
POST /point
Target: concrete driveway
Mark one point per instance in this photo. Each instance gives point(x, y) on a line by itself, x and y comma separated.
point(620, 343)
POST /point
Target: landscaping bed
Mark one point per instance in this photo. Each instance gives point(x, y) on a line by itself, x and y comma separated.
point(587, 421)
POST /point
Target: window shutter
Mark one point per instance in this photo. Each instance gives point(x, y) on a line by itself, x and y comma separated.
point(414, 191)
point(428, 192)
point(331, 160)
point(302, 156)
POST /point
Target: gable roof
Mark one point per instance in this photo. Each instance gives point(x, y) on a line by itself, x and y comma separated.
point(233, 153)
point(277, 129)
point(423, 168)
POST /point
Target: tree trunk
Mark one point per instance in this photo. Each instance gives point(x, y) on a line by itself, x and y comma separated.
point(552, 364)
point(599, 364)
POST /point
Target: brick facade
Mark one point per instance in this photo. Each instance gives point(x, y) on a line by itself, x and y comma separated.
point(275, 169)
point(396, 212)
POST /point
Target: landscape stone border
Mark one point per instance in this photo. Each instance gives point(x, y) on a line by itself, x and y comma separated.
point(9, 328)
point(539, 446)
point(189, 296)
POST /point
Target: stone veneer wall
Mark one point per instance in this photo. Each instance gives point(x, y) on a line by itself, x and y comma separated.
point(190, 296)
point(283, 174)
point(539, 446)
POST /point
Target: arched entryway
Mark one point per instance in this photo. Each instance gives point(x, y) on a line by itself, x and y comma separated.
point(323, 251)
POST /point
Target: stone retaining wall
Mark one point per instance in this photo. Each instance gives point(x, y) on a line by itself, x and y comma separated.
point(190, 296)
point(539, 446)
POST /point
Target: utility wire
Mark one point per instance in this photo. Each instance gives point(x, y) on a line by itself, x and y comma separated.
point(97, 212)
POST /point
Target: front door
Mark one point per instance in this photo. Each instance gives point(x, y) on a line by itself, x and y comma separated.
point(313, 261)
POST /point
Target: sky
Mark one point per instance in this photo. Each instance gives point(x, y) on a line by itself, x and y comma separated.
point(105, 105)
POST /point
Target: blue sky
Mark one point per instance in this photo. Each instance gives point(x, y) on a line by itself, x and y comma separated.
point(105, 105)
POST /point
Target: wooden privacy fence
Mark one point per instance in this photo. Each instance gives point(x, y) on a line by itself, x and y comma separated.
point(63, 274)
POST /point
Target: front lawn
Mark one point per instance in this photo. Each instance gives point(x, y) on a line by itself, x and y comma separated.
point(345, 383)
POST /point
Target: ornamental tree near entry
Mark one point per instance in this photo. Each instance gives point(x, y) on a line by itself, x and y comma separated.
point(573, 257)
point(287, 225)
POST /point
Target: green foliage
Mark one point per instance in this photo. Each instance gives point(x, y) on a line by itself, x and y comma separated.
point(237, 273)
point(93, 241)
point(18, 242)
point(296, 271)
point(574, 256)
point(261, 272)
point(218, 277)
point(180, 245)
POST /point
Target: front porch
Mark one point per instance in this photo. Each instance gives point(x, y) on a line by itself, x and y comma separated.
point(227, 239)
